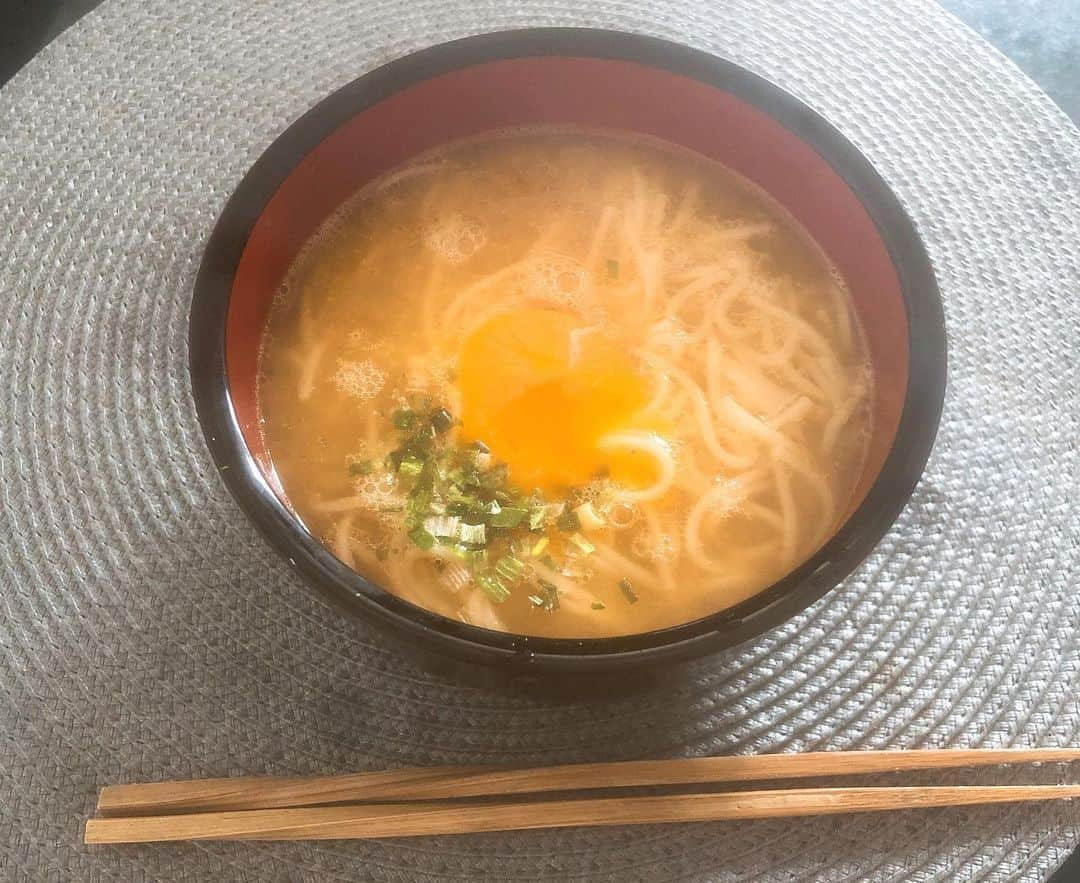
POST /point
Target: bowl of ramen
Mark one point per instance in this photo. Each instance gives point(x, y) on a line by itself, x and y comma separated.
point(567, 351)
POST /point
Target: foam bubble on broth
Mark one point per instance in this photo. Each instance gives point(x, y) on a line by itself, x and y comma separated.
point(362, 380)
point(661, 369)
point(455, 238)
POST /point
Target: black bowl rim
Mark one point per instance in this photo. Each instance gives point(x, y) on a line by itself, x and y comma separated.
point(345, 588)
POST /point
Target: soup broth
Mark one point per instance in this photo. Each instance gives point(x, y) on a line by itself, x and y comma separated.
point(566, 383)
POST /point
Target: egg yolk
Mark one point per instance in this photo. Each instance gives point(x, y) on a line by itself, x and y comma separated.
point(541, 388)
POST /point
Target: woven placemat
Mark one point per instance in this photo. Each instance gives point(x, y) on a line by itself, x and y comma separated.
point(147, 632)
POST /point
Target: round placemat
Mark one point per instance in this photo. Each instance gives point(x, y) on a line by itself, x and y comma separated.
point(147, 632)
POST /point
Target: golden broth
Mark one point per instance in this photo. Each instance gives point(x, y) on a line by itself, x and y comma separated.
point(667, 378)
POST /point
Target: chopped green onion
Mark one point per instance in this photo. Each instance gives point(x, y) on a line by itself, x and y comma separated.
point(444, 527)
point(508, 517)
point(509, 568)
point(627, 588)
point(492, 587)
point(568, 521)
point(361, 467)
point(547, 596)
point(583, 544)
point(422, 538)
point(464, 477)
point(442, 420)
point(598, 605)
point(456, 495)
point(411, 465)
point(461, 499)
point(460, 508)
point(472, 557)
point(420, 441)
point(420, 501)
point(613, 268)
point(473, 534)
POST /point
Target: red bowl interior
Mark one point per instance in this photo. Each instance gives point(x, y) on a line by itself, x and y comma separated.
point(594, 92)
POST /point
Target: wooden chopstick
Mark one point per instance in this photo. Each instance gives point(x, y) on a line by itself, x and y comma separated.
point(441, 783)
point(418, 819)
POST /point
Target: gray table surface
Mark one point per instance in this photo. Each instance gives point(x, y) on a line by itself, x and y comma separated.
point(1042, 37)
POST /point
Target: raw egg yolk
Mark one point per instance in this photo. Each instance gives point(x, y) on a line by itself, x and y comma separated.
point(541, 388)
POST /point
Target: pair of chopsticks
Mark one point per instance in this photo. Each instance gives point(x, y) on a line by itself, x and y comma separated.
point(417, 802)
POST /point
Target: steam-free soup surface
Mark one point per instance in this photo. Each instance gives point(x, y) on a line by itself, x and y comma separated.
point(566, 384)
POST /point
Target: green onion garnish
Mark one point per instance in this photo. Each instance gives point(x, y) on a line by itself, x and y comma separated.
point(471, 557)
point(509, 568)
point(583, 544)
point(442, 420)
point(460, 498)
point(627, 588)
point(613, 268)
point(508, 517)
point(361, 467)
point(420, 502)
point(546, 596)
point(598, 605)
point(492, 587)
point(411, 465)
point(464, 477)
point(443, 527)
point(568, 521)
point(422, 538)
point(473, 534)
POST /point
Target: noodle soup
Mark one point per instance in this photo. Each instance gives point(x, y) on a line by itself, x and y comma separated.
point(566, 383)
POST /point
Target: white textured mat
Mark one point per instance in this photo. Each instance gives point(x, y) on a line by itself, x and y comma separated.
point(146, 632)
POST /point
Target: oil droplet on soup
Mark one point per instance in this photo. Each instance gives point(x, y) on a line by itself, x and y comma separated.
point(566, 383)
